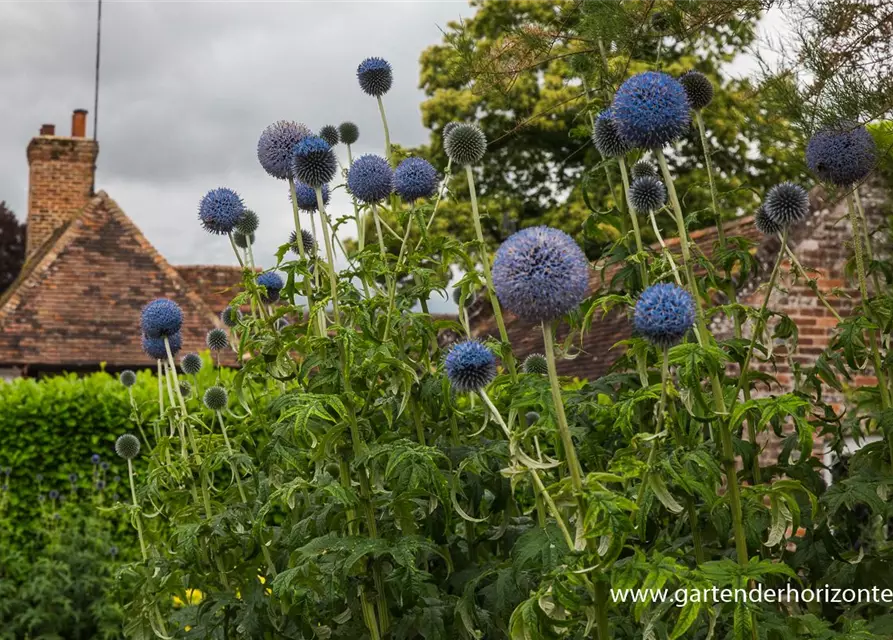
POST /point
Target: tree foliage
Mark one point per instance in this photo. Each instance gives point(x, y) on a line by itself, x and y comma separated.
point(12, 247)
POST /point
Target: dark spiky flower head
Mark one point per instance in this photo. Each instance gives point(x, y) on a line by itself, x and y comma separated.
point(842, 155)
point(664, 313)
point(306, 197)
point(276, 145)
point(651, 109)
point(216, 340)
point(161, 317)
point(215, 398)
point(470, 366)
point(536, 363)
point(643, 168)
point(465, 144)
point(127, 446)
point(155, 348)
point(127, 378)
point(306, 240)
point(349, 132)
point(248, 223)
point(241, 240)
point(230, 316)
point(447, 129)
point(185, 388)
point(415, 178)
point(375, 76)
point(72, 478)
point(532, 417)
point(95, 459)
point(273, 284)
point(540, 273)
point(53, 494)
point(606, 138)
point(313, 162)
point(786, 204)
point(220, 210)
point(105, 466)
point(698, 89)
point(191, 364)
point(100, 485)
point(647, 194)
point(764, 224)
point(370, 179)
point(330, 134)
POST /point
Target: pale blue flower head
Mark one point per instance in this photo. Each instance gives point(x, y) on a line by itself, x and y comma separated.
point(306, 197)
point(161, 317)
point(415, 178)
point(370, 179)
point(664, 313)
point(375, 76)
point(220, 210)
point(842, 155)
point(470, 366)
point(273, 284)
point(276, 144)
point(155, 349)
point(651, 110)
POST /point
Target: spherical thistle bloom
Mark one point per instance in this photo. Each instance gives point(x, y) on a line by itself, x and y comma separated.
point(330, 134)
point(127, 446)
point(415, 178)
point(216, 340)
point(220, 210)
point(698, 88)
point(532, 417)
point(643, 168)
point(349, 132)
point(72, 478)
point(647, 194)
point(465, 144)
point(185, 388)
point(113, 551)
point(104, 465)
point(370, 178)
point(241, 240)
point(95, 459)
point(535, 363)
point(306, 240)
point(447, 129)
point(606, 138)
point(215, 398)
point(540, 274)
point(765, 224)
point(248, 223)
point(273, 284)
point(161, 317)
point(191, 364)
point(314, 162)
point(470, 366)
point(100, 485)
point(375, 76)
point(230, 316)
point(842, 155)
point(786, 203)
point(127, 378)
point(41, 497)
point(276, 145)
point(155, 347)
point(53, 494)
point(664, 313)
point(306, 197)
point(651, 109)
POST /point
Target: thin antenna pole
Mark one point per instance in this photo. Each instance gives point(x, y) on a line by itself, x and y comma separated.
point(96, 90)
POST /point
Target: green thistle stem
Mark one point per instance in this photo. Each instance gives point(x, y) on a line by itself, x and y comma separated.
point(564, 432)
point(137, 519)
point(231, 453)
point(308, 291)
point(664, 249)
point(160, 392)
point(179, 425)
point(387, 133)
point(324, 229)
point(236, 250)
point(721, 233)
point(640, 250)
point(809, 281)
point(443, 183)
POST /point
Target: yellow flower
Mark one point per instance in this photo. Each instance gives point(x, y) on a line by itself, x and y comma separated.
point(193, 597)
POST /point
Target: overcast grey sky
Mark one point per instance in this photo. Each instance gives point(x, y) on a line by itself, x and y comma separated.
point(186, 89)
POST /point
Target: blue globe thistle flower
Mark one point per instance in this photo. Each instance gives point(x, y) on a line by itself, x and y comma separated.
point(53, 494)
point(41, 497)
point(607, 138)
point(698, 89)
point(230, 316)
point(643, 168)
point(105, 466)
point(370, 179)
point(764, 224)
point(540, 274)
point(349, 132)
point(220, 210)
point(536, 364)
point(465, 144)
point(216, 340)
point(647, 194)
point(786, 203)
point(330, 134)
point(276, 144)
point(127, 378)
point(113, 551)
point(375, 76)
point(314, 162)
point(470, 366)
point(273, 283)
point(95, 459)
point(127, 446)
point(248, 223)
point(72, 478)
point(155, 349)
point(664, 313)
point(161, 317)
point(306, 197)
point(306, 240)
point(215, 398)
point(100, 485)
point(651, 109)
point(415, 178)
point(191, 364)
point(842, 155)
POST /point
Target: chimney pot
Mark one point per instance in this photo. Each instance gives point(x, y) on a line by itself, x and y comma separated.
point(47, 129)
point(79, 123)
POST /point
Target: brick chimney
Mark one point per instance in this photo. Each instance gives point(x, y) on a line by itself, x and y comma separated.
point(60, 181)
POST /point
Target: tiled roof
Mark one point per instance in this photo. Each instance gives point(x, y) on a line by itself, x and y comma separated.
point(216, 284)
point(78, 299)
